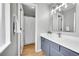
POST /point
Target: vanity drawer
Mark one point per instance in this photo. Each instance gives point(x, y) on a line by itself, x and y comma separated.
point(67, 52)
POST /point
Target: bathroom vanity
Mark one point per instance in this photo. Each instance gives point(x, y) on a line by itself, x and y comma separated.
point(66, 42)
point(65, 45)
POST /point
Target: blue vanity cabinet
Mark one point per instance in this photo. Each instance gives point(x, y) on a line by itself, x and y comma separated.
point(67, 52)
point(53, 49)
point(45, 45)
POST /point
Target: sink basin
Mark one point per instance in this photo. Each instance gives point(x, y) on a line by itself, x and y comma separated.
point(58, 35)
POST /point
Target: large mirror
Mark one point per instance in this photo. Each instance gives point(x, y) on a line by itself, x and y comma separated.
point(64, 18)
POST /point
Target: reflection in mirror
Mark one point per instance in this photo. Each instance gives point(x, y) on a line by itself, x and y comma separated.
point(64, 18)
point(60, 21)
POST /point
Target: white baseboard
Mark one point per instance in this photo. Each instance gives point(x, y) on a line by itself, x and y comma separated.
point(38, 50)
point(29, 43)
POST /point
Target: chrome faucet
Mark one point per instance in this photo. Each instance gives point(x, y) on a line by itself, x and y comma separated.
point(59, 35)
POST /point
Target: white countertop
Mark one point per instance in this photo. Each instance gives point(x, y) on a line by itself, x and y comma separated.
point(69, 42)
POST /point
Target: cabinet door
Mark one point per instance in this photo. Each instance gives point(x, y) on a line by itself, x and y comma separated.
point(45, 45)
point(67, 52)
point(54, 52)
point(42, 43)
point(54, 46)
point(54, 49)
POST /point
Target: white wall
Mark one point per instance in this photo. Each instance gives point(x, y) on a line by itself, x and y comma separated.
point(77, 18)
point(51, 22)
point(7, 23)
point(12, 50)
point(2, 24)
point(41, 23)
point(29, 30)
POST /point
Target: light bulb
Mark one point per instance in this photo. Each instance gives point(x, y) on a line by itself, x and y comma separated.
point(65, 5)
point(59, 9)
point(33, 7)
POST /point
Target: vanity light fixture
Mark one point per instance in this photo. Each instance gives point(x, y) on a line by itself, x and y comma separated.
point(57, 8)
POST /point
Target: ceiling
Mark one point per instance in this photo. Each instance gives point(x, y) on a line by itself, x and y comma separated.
point(29, 9)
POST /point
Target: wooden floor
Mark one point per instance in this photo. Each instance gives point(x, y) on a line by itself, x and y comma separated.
point(29, 50)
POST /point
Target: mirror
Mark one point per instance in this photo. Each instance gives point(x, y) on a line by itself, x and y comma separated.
point(64, 20)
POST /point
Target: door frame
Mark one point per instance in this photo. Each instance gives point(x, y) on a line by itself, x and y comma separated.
point(17, 29)
point(19, 41)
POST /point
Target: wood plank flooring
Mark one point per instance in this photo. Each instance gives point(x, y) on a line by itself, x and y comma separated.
point(29, 50)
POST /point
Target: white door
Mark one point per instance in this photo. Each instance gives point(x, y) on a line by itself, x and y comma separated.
point(29, 30)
